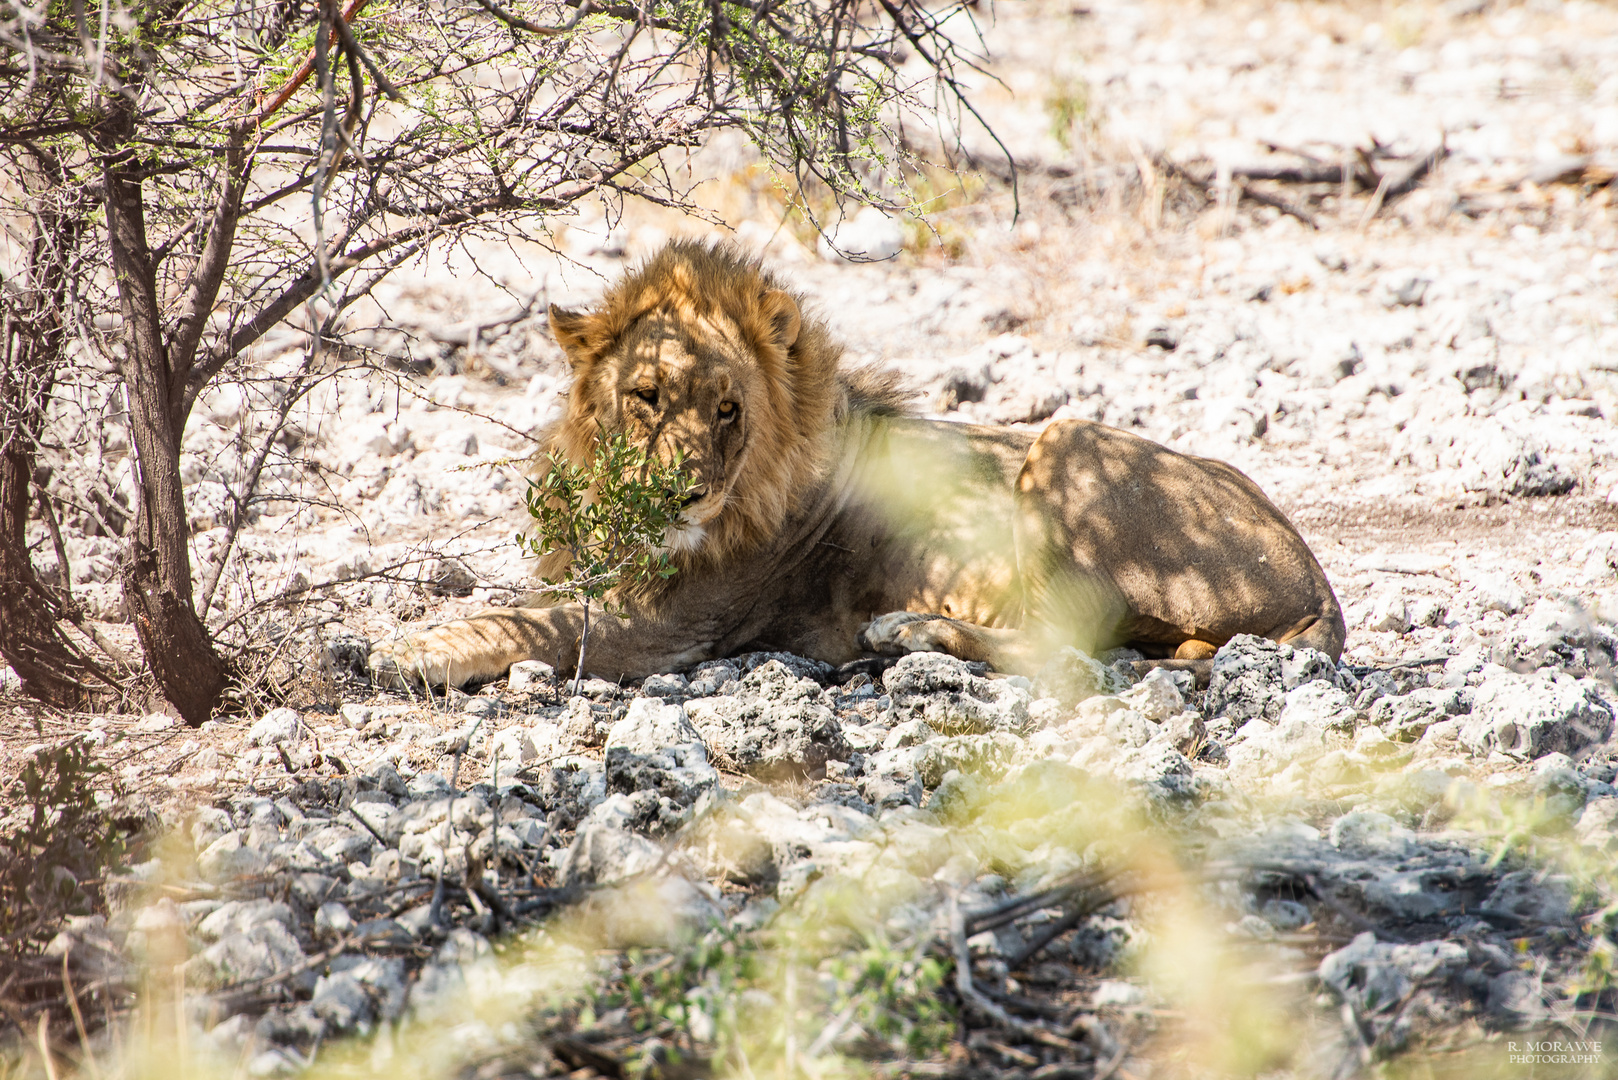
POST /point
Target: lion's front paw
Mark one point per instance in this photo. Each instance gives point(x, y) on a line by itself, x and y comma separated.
point(427, 658)
point(901, 632)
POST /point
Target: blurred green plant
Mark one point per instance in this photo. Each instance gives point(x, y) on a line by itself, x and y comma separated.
point(740, 998)
point(60, 838)
point(1536, 832)
point(1069, 108)
point(894, 994)
point(608, 518)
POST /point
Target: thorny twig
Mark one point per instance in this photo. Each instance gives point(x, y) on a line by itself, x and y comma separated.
point(1018, 907)
point(78, 1017)
point(979, 1001)
point(255, 469)
point(309, 963)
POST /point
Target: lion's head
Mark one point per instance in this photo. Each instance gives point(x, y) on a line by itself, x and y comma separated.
point(700, 352)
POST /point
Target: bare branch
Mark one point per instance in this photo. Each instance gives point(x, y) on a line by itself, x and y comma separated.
point(307, 68)
point(210, 271)
point(352, 46)
point(249, 485)
point(186, 129)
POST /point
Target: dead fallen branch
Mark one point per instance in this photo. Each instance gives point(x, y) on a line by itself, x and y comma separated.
point(1311, 173)
point(1057, 928)
point(1208, 187)
point(1266, 198)
point(976, 1000)
point(1018, 907)
point(473, 331)
point(1402, 181)
point(1365, 169)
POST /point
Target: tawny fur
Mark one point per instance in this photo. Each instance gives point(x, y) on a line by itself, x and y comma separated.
point(709, 287)
point(834, 526)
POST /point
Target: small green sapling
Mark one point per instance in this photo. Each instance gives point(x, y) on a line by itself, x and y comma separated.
point(609, 518)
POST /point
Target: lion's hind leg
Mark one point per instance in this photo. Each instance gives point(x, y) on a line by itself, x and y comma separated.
point(1121, 540)
point(901, 632)
point(1314, 632)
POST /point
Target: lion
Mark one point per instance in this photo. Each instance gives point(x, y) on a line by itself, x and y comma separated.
point(827, 520)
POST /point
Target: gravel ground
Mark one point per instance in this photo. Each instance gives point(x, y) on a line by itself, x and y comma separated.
point(1302, 869)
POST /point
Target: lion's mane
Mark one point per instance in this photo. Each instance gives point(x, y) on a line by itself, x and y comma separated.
point(791, 424)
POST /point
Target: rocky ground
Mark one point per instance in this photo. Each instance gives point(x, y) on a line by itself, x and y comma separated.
point(1129, 876)
point(1303, 869)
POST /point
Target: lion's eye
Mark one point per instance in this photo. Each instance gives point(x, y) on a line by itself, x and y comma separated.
point(647, 394)
point(727, 410)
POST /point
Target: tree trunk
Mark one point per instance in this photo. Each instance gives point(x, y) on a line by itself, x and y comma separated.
point(32, 336)
point(51, 669)
point(157, 567)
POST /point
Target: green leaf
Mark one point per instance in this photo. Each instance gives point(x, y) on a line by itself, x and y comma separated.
point(609, 516)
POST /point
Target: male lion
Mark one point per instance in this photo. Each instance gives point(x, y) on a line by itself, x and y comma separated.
point(828, 523)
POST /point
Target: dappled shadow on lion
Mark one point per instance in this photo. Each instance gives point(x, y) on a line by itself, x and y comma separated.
point(827, 521)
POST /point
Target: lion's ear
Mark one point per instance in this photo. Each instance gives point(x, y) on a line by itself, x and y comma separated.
point(570, 329)
point(782, 312)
